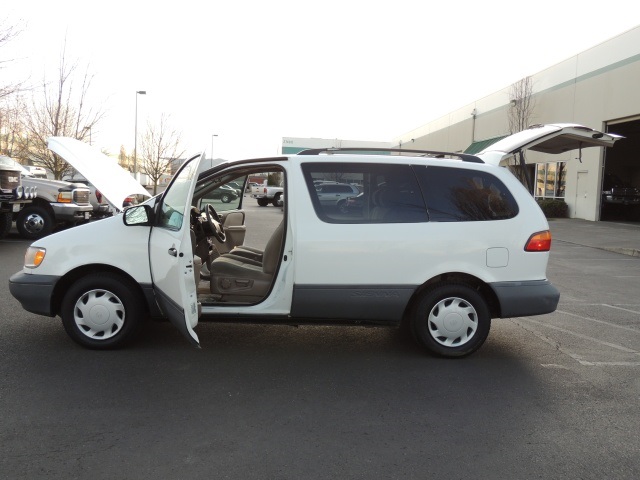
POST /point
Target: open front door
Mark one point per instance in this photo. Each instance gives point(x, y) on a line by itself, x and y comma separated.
point(171, 252)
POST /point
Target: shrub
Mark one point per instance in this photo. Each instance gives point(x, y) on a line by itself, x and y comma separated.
point(553, 208)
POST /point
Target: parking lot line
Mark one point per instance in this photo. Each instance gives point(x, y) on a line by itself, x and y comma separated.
point(584, 337)
point(595, 320)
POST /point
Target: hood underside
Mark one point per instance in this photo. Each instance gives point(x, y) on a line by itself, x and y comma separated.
point(114, 182)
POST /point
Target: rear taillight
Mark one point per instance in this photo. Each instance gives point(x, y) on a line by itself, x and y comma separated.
point(539, 242)
point(99, 196)
point(265, 189)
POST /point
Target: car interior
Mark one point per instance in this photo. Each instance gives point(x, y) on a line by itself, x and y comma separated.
point(226, 270)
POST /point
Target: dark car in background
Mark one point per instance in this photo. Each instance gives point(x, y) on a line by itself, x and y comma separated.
point(618, 192)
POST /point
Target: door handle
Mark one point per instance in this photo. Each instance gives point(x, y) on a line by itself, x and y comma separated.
point(173, 252)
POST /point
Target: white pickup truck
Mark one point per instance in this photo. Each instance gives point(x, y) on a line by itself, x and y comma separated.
point(267, 194)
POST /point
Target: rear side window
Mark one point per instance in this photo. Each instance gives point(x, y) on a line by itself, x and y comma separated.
point(464, 195)
point(364, 193)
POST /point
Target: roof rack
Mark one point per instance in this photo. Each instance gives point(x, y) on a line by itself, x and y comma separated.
point(425, 153)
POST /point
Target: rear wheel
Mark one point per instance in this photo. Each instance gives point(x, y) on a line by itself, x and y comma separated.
point(5, 224)
point(263, 202)
point(102, 311)
point(451, 320)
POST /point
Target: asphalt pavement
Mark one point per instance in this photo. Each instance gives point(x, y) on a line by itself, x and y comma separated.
point(547, 397)
point(617, 237)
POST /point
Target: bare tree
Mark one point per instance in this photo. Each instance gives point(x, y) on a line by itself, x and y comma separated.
point(61, 110)
point(10, 103)
point(160, 149)
point(124, 160)
point(11, 126)
point(521, 106)
point(8, 33)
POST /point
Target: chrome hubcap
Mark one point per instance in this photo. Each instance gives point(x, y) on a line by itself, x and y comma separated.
point(33, 223)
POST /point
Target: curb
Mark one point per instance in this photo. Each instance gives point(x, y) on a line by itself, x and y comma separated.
point(632, 252)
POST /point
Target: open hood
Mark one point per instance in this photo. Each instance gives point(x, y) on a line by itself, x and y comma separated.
point(113, 181)
point(550, 138)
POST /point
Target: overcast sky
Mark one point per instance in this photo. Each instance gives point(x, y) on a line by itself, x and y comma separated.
point(255, 71)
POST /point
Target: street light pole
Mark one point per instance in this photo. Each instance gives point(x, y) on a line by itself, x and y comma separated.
point(214, 135)
point(135, 142)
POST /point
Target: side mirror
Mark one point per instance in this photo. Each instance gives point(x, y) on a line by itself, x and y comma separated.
point(139, 215)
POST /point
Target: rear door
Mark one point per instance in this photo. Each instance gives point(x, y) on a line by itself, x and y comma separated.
point(551, 138)
point(171, 252)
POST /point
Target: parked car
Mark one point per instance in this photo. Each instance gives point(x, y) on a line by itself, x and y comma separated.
point(37, 172)
point(224, 193)
point(335, 194)
point(617, 191)
point(237, 186)
point(450, 242)
point(57, 203)
point(13, 195)
point(267, 194)
point(353, 204)
point(100, 206)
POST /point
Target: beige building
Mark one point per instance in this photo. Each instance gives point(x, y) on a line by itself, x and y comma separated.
point(599, 88)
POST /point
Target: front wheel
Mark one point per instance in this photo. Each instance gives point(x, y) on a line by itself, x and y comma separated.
point(102, 311)
point(451, 320)
point(34, 222)
point(277, 202)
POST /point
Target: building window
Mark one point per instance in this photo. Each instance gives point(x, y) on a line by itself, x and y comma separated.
point(550, 180)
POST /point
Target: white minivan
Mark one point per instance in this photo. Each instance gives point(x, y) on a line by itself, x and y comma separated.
point(438, 242)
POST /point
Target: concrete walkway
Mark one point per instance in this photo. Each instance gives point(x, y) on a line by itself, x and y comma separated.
point(616, 237)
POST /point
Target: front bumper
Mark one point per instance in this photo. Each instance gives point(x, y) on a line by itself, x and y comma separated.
point(622, 200)
point(101, 211)
point(70, 212)
point(524, 299)
point(34, 292)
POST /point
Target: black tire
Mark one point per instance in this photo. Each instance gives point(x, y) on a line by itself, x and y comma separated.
point(342, 206)
point(226, 198)
point(263, 202)
point(34, 222)
point(276, 200)
point(117, 312)
point(5, 223)
point(451, 320)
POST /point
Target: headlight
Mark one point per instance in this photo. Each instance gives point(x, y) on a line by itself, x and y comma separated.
point(19, 192)
point(34, 192)
point(34, 257)
point(65, 197)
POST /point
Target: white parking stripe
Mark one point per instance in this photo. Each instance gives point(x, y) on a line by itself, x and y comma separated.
point(620, 308)
point(584, 337)
point(622, 327)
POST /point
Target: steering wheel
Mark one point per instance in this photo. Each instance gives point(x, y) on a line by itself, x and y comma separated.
point(214, 223)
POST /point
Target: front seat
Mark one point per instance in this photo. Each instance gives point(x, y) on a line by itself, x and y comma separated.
point(240, 279)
